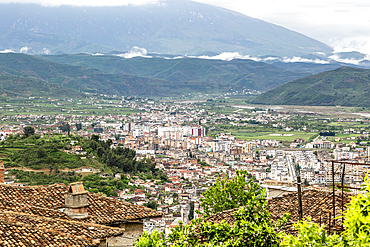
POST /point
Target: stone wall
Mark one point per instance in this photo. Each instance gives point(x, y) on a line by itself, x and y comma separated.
point(132, 232)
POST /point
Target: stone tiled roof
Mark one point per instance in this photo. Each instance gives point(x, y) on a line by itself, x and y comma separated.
point(316, 204)
point(19, 229)
point(46, 200)
point(33, 216)
point(227, 215)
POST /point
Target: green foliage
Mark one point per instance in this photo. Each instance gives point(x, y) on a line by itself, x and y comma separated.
point(152, 204)
point(122, 159)
point(95, 183)
point(309, 235)
point(191, 211)
point(228, 194)
point(357, 218)
point(40, 178)
point(28, 131)
point(43, 153)
point(65, 127)
point(155, 239)
point(252, 227)
point(78, 126)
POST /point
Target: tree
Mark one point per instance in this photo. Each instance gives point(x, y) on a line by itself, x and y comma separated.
point(65, 128)
point(228, 194)
point(78, 126)
point(28, 131)
point(95, 138)
point(191, 211)
point(152, 204)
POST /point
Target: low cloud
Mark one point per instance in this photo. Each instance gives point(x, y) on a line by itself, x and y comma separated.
point(337, 58)
point(359, 44)
point(135, 52)
point(7, 51)
point(228, 56)
point(24, 49)
point(303, 60)
point(46, 51)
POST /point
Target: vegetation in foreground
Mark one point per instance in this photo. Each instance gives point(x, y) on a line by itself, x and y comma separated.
point(253, 226)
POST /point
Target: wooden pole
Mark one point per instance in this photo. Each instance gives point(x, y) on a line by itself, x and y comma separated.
point(333, 178)
point(343, 173)
point(300, 210)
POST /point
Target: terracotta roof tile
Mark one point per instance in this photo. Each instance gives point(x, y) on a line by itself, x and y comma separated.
point(33, 216)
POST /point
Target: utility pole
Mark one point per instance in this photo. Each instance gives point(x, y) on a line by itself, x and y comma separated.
point(300, 210)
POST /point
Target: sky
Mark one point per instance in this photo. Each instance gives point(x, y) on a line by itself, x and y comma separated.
point(342, 24)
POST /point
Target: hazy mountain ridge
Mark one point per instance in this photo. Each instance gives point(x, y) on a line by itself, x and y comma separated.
point(344, 86)
point(75, 78)
point(163, 77)
point(237, 74)
point(174, 27)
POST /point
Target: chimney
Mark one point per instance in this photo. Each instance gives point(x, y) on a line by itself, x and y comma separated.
point(2, 172)
point(76, 201)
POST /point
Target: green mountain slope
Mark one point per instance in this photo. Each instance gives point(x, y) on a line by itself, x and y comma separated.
point(222, 75)
point(344, 86)
point(76, 78)
point(18, 86)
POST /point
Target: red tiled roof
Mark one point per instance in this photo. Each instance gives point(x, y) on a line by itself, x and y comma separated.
point(33, 216)
point(101, 209)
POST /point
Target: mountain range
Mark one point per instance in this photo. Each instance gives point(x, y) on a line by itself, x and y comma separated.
point(145, 77)
point(166, 27)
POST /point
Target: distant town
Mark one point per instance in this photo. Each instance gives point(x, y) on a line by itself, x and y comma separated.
point(192, 143)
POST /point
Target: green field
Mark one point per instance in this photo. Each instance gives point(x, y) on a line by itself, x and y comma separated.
point(266, 135)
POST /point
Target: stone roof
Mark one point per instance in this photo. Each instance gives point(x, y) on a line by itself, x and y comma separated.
point(19, 229)
point(47, 200)
point(33, 216)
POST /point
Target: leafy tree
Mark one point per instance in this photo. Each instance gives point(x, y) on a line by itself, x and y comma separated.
point(28, 131)
point(191, 211)
point(357, 218)
point(309, 235)
point(78, 126)
point(228, 194)
point(95, 138)
point(152, 204)
point(65, 127)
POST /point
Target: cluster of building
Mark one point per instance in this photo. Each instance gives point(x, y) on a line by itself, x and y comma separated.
point(175, 137)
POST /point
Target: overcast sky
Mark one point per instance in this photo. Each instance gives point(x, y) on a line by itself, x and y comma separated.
point(343, 24)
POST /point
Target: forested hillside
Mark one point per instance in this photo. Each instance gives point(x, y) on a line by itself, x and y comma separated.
point(344, 86)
